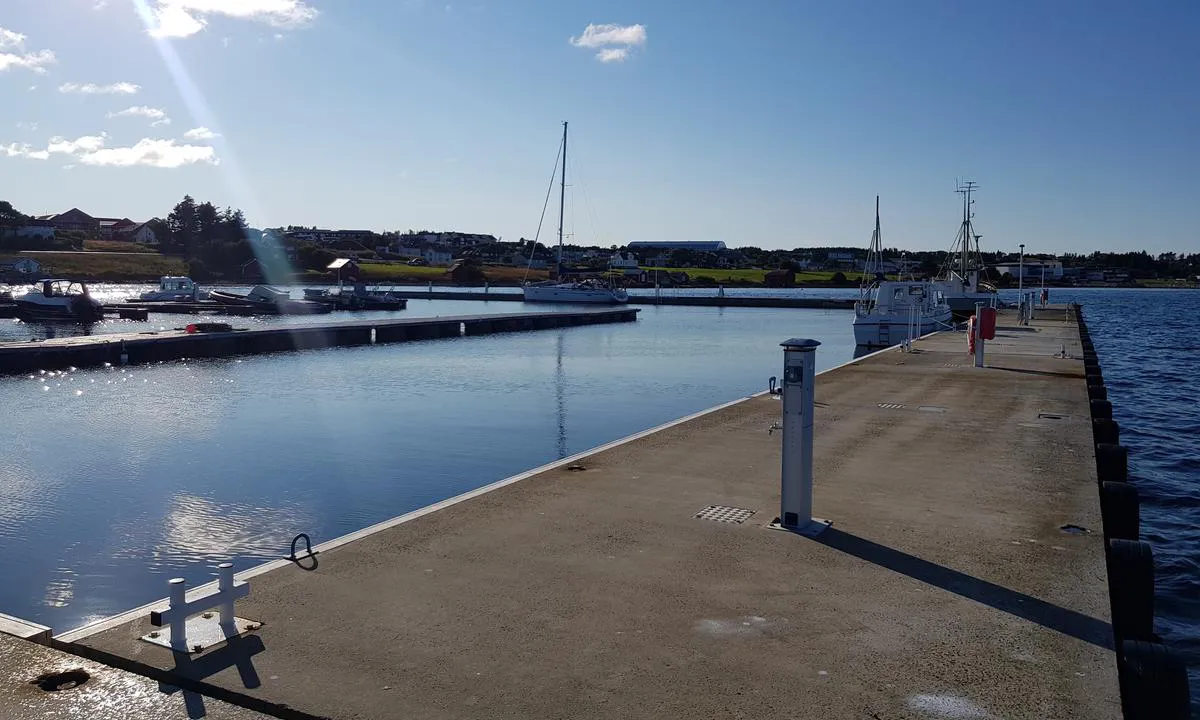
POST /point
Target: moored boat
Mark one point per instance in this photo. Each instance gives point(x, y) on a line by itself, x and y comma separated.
point(888, 311)
point(590, 290)
point(56, 299)
point(961, 278)
point(269, 301)
point(174, 288)
point(357, 299)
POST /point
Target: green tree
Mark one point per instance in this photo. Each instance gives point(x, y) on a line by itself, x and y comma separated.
point(183, 225)
point(10, 216)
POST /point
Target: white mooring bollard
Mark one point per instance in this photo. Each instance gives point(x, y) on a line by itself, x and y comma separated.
point(208, 632)
point(799, 371)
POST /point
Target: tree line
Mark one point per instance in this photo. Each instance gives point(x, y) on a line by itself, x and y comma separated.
point(215, 242)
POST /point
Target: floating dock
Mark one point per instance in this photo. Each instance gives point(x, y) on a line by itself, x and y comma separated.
point(156, 346)
point(698, 300)
point(963, 575)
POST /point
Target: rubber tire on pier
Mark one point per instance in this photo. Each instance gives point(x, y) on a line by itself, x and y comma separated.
point(1154, 682)
point(1106, 431)
point(1119, 510)
point(1112, 463)
point(1097, 392)
point(1093, 377)
point(1131, 589)
point(1101, 409)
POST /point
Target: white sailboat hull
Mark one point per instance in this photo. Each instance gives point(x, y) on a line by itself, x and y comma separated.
point(574, 294)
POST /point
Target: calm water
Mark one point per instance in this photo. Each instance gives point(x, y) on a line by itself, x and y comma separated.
point(118, 479)
point(115, 480)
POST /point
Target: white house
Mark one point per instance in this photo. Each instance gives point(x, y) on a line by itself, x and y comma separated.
point(622, 262)
point(434, 256)
point(22, 266)
point(141, 234)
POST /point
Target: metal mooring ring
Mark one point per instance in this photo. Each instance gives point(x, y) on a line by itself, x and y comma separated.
point(308, 551)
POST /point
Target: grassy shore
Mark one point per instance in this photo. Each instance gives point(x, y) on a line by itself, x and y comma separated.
point(106, 267)
point(729, 276)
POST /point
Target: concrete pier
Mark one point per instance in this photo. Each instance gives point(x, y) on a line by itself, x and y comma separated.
point(135, 348)
point(507, 295)
point(963, 576)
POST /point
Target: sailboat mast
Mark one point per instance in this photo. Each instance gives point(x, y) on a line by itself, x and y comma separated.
point(562, 199)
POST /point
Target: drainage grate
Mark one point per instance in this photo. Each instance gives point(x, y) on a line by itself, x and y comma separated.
point(1051, 416)
point(891, 406)
point(952, 365)
point(724, 513)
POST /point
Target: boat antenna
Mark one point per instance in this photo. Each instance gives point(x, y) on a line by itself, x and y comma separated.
point(562, 199)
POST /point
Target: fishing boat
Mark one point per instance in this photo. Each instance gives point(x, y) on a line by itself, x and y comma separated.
point(269, 300)
point(960, 278)
point(173, 288)
point(889, 312)
point(562, 289)
point(56, 299)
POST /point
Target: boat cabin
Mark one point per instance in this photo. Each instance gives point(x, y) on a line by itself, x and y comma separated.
point(176, 284)
point(62, 288)
point(890, 297)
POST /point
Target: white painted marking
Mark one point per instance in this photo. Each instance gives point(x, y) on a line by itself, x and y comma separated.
point(947, 706)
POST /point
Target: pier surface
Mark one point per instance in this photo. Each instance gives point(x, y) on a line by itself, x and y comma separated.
point(946, 587)
point(135, 348)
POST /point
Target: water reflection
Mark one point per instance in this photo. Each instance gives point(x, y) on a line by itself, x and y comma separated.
point(560, 381)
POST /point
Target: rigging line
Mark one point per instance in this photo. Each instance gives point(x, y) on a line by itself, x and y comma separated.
point(587, 201)
point(545, 205)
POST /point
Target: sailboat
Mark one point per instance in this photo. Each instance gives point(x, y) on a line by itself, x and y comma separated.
point(570, 291)
point(889, 312)
point(959, 279)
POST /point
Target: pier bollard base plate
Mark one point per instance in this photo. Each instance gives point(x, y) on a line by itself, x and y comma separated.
point(812, 528)
point(202, 632)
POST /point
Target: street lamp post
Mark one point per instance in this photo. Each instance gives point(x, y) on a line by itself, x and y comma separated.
point(1021, 282)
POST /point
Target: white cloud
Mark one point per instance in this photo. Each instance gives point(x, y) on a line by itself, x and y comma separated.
point(612, 54)
point(157, 116)
point(151, 153)
point(10, 39)
point(614, 43)
point(200, 133)
point(14, 55)
point(23, 150)
point(87, 143)
point(182, 18)
point(31, 126)
point(117, 88)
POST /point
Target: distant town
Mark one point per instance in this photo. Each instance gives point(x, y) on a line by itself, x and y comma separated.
point(215, 244)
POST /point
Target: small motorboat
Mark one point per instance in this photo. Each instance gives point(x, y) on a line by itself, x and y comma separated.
point(55, 299)
point(358, 299)
point(173, 288)
point(268, 300)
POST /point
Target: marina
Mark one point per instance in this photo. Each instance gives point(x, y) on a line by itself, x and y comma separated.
point(1079, 621)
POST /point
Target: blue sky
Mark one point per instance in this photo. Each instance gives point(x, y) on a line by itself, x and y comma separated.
point(766, 123)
